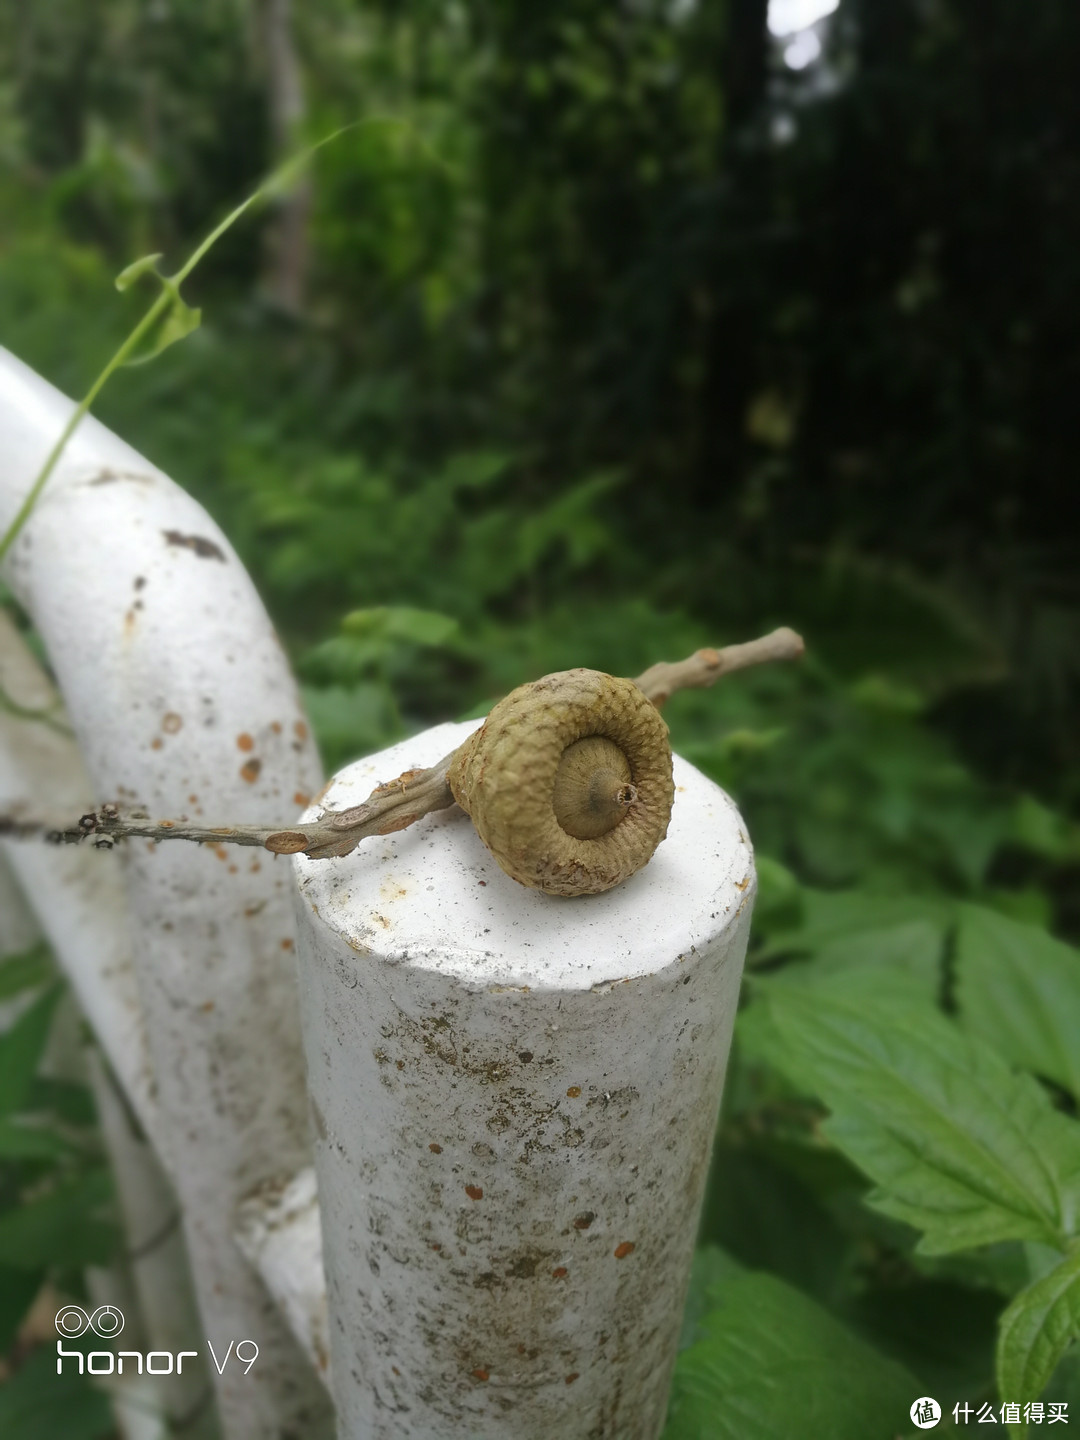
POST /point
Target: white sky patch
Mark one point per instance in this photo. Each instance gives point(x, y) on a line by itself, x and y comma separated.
point(786, 17)
point(804, 49)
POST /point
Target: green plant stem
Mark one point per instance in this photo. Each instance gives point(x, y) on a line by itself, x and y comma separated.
point(126, 349)
point(170, 287)
point(29, 712)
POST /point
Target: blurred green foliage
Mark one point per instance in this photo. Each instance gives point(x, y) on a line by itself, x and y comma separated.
point(55, 1216)
point(620, 338)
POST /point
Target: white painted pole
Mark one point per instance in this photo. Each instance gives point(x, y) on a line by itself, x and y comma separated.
point(77, 894)
point(279, 1231)
point(18, 933)
point(182, 700)
point(18, 928)
point(157, 1261)
point(515, 1097)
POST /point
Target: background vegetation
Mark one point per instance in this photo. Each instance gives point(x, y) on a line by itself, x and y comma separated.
point(612, 335)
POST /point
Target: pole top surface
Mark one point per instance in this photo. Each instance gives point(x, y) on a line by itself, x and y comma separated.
point(432, 897)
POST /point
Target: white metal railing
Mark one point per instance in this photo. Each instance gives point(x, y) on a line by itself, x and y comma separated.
point(512, 1095)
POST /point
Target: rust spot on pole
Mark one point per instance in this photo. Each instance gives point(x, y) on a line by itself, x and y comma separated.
point(203, 548)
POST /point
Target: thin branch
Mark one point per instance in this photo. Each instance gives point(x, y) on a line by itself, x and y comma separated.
point(705, 667)
point(391, 806)
point(394, 805)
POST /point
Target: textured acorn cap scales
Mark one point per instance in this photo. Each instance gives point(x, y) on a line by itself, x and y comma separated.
point(504, 776)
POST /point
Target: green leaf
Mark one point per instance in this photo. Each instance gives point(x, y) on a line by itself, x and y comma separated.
point(778, 898)
point(960, 1147)
point(146, 264)
point(69, 1100)
point(773, 1365)
point(60, 1228)
point(177, 321)
point(401, 623)
point(1045, 831)
point(38, 1404)
point(832, 918)
point(1036, 1329)
point(31, 1142)
point(24, 971)
point(711, 1266)
point(906, 958)
point(18, 1289)
point(770, 1221)
point(20, 1051)
point(1019, 989)
point(351, 721)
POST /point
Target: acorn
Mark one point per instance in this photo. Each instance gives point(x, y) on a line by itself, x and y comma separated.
point(568, 781)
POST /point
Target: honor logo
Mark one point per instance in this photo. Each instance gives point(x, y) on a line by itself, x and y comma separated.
point(107, 1321)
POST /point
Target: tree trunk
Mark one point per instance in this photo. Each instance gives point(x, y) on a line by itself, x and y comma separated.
point(285, 278)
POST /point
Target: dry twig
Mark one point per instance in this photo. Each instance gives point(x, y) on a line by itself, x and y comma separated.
point(393, 805)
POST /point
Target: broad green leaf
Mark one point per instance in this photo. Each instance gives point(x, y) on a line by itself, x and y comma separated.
point(959, 1146)
point(38, 1404)
point(20, 1051)
point(778, 898)
point(905, 959)
point(60, 1228)
point(1036, 1329)
point(770, 1221)
point(351, 721)
point(831, 918)
point(1064, 1384)
point(146, 264)
point(773, 1365)
point(31, 1142)
point(401, 623)
point(712, 1265)
point(23, 972)
point(1019, 989)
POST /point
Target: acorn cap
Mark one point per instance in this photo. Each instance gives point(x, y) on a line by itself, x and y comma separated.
point(568, 782)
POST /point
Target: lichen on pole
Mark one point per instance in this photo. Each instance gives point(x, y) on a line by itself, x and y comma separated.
point(514, 1097)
